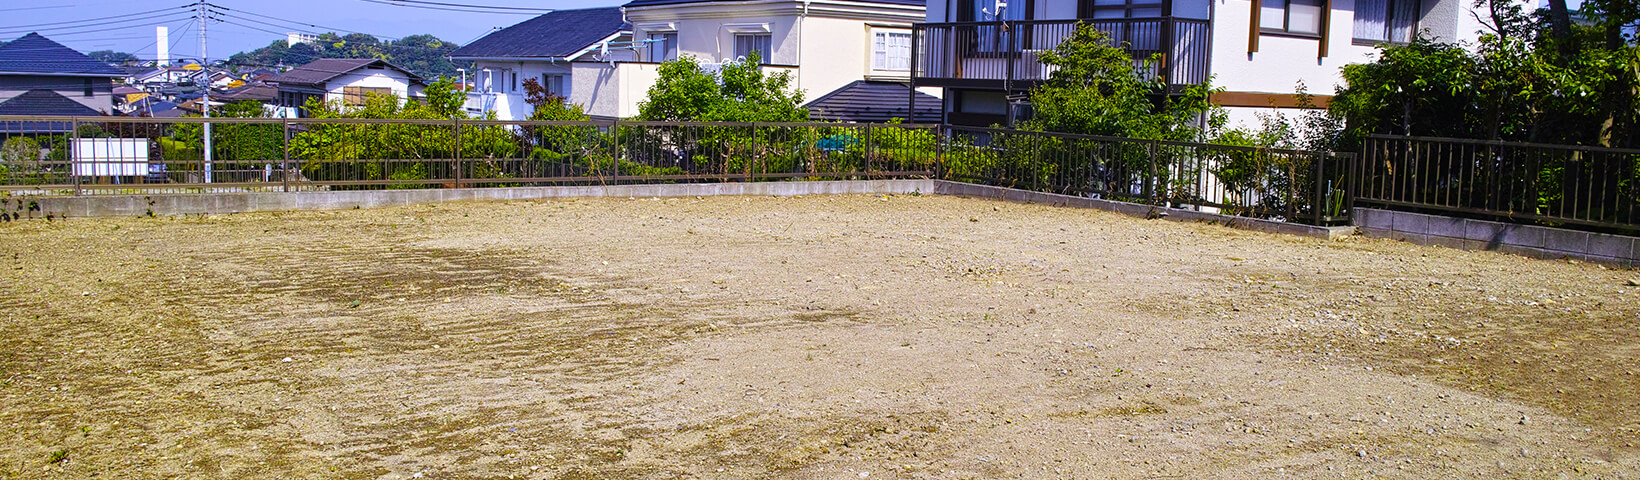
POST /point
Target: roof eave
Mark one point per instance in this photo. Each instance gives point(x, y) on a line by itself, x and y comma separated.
point(513, 59)
point(63, 74)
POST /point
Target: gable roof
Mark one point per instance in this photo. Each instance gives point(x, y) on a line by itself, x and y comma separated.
point(558, 34)
point(36, 55)
point(324, 69)
point(44, 102)
point(648, 3)
point(863, 101)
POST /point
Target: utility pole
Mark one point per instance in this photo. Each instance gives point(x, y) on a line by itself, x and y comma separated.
point(205, 86)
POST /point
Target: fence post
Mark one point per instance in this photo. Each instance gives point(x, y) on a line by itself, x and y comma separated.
point(1036, 163)
point(73, 164)
point(285, 125)
point(1318, 200)
point(615, 151)
point(942, 140)
point(1150, 177)
point(870, 149)
point(456, 125)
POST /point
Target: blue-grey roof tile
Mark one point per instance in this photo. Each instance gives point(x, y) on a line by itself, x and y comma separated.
point(560, 33)
point(34, 54)
point(863, 101)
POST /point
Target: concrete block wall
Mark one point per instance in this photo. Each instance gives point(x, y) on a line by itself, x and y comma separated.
point(1469, 234)
point(227, 203)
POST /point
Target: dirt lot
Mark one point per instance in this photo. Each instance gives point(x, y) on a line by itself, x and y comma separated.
point(810, 337)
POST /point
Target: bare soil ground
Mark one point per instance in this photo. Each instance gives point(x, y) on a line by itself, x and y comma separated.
point(809, 337)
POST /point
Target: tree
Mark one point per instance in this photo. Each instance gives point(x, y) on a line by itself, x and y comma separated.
point(1097, 90)
point(686, 92)
point(110, 56)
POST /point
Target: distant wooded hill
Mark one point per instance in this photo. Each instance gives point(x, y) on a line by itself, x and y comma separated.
point(422, 54)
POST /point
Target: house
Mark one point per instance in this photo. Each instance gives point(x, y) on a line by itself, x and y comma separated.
point(1257, 50)
point(825, 44)
point(346, 80)
point(605, 59)
point(555, 50)
point(43, 77)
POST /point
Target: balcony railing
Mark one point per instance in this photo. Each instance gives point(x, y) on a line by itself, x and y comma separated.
point(988, 55)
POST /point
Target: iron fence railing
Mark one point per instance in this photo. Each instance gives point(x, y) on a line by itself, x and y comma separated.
point(968, 54)
point(1290, 185)
point(91, 155)
point(1557, 185)
point(104, 155)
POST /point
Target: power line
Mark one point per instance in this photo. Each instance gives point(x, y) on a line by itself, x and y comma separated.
point(9, 31)
point(462, 5)
point(462, 10)
point(25, 27)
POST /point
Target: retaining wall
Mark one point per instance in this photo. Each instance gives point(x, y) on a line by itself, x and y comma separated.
point(240, 202)
point(1528, 240)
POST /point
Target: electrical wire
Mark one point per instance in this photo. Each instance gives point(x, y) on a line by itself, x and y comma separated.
point(461, 10)
point(462, 5)
point(300, 23)
point(25, 27)
point(112, 22)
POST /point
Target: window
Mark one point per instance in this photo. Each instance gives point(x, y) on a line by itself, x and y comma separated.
point(745, 44)
point(663, 46)
point(990, 38)
point(514, 81)
point(1386, 20)
point(891, 51)
point(554, 85)
point(355, 96)
point(88, 89)
point(1291, 16)
point(1101, 9)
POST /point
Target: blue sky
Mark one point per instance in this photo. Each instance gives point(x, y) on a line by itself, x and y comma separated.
point(254, 22)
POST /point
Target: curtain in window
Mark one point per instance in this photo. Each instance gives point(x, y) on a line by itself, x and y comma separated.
point(1403, 20)
point(746, 44)
point(1372, 20)
point(663, 46)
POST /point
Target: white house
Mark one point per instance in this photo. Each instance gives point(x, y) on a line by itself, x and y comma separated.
point(558, 50)
point(827, 44)
point(348, 80)
point(1257, 50)
point(605, 59)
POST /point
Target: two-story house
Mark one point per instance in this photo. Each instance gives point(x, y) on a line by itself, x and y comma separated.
point(347, 80)
point(1257, 50)
point(559, 50)
point(41, 77)
point(605, 59)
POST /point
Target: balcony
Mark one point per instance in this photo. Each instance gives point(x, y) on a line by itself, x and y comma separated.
point(984, 55)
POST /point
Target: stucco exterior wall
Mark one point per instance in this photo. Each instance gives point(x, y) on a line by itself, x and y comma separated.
point(372, 78)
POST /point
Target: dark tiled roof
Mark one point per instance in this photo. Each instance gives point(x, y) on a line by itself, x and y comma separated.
point(558, 34)
point(249, 92)
point(39, 55)
point(863, 101)
point(646, 3)
point(44, 102)
point(322, 70)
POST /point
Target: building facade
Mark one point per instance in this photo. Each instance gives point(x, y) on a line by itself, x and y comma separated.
point(1258, 51)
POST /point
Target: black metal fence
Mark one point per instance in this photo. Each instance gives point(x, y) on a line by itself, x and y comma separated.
point(91, 155)
point(103, 155)
point(1290, 185)
point(1557, 185)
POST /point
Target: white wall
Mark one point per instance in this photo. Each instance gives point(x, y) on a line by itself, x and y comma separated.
point(837, 50)
point(372, 78)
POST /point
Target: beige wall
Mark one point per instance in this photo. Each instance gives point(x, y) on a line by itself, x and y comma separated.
point(837, 50)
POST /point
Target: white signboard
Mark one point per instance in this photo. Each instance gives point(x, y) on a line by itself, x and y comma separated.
point(111, 157)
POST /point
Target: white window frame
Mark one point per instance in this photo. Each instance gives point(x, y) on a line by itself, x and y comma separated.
point(1285, 15)
point(668, 45)
point(884, 44)
point(766, 55)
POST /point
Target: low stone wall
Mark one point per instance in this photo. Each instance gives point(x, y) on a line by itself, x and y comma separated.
point(943, 187)
point(239, 202)
point(160, 205)
point(1527, 240)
